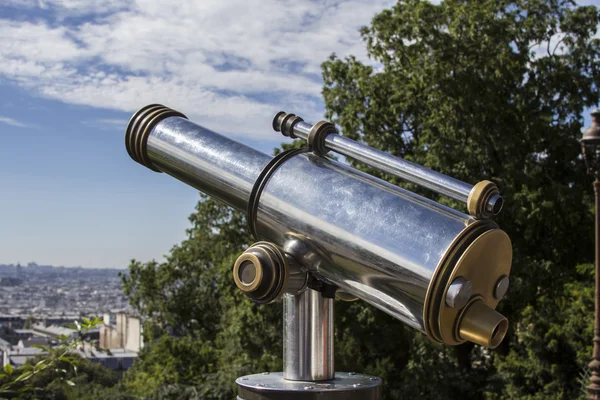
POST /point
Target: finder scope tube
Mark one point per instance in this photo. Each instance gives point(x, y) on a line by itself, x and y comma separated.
point(482, 199)
point(432, 267)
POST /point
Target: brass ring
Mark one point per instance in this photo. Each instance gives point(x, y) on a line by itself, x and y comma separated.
point(259, 272)
point(130, 129)
point(317, 136)
point(146, 127)
point(478, 198)
point(135, 131)
point(277, 287)
point(288, 126)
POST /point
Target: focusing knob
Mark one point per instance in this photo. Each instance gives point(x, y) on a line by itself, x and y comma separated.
point(261, 272)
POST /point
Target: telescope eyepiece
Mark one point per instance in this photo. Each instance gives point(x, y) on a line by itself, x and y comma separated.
point(482, 325)
point(264, 273)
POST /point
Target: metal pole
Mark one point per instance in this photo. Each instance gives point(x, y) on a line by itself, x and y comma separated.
point(308, 370)
point(308, 337)
point(594, 387)
point(399, 167)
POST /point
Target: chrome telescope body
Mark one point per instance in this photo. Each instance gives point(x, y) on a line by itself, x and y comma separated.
point(434, 268)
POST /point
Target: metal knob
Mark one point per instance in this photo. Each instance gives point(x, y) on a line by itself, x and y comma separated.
point(260, 272)
point(264, 272)
point(459, 293)
point(501, 287)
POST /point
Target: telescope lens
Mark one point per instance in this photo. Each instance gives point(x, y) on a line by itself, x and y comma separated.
point(247, 272)
point(499, 333)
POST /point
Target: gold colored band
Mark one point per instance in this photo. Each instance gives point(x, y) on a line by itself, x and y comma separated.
point(317, 135)
point(479, 197)
point(259, 272)
point(481, 254)
point(139, 127)
point(480, 324)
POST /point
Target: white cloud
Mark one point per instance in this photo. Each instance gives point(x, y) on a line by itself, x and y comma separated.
point(226, 64)
point(12, 122)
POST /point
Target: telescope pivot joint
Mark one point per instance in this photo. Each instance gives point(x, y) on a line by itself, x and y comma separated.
point(264, 273)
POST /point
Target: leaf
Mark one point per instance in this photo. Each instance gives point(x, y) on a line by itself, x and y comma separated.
point(70, 383)
point(24, 376)
point(9, 369)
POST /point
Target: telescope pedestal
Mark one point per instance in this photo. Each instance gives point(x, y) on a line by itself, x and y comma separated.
point(308, 361)
point(272, 386)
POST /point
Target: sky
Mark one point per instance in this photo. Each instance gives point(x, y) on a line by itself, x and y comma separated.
point(72, 72)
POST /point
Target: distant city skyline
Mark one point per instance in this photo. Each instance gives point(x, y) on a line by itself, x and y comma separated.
point(36, 264)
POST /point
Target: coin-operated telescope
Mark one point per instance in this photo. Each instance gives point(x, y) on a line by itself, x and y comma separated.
point(326, 230)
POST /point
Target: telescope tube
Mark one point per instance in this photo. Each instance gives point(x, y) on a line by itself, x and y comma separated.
point(392, 248)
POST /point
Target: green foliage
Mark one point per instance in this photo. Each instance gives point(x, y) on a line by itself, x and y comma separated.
point(171, 360)
point(218, 333)
point(554, 343)
point(55, 375)
point(476, 90)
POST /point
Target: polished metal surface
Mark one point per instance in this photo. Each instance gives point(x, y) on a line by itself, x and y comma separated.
point(393, 165)
point(372, 239)
point(297, 277)
point(272, 386)
point(459, 293)
point(399, 167)
point(210, 162)
point(501, 287)
point(494, 205)
point(308, 337)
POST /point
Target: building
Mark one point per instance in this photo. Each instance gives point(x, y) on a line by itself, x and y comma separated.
point(18, 356)
point(124, 333)
point(4, 344)
point(11, 321)
point(118, 360)
point(54, 331)
point(14, 335)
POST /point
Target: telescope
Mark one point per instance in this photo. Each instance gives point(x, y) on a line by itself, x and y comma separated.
point(325, 230)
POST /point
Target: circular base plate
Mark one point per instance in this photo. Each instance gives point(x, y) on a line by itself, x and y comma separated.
point(272, 386)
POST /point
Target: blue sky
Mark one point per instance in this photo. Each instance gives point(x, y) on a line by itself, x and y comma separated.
point(73, 71)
